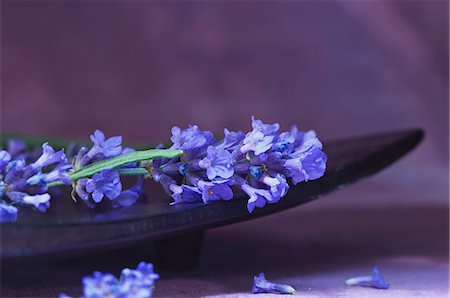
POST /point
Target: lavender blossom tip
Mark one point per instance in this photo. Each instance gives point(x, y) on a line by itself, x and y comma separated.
point(262, 285)
point(107, 147)
point(106, 183)
point(8, 213)
point(375, 280)
point(40, 202)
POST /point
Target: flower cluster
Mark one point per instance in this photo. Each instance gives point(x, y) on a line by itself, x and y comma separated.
point(257, 163)
point(105, 184)
point(25, 183)
point(138, 283)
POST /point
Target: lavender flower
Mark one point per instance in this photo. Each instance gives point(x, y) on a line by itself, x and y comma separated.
point(185, 194)
point(278, 186)
point(5, 157)
point(106, 183)
point(139, 282)
point(232, 139)
point(40, 202)
point(107, 147)
point(307, 162)
point(7, 213)
point(80, 189)
point(49, 157)
point(257, 142)
point(59, 173)
point(218, 163)
point(100, 285)
point(375, 280)
point(187, 139)
point(133, 283)
point(258, 197)
point(103, 148)
point(262, 285)
point(215, 190)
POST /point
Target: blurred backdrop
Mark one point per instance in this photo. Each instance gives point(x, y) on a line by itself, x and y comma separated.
point(137, 68)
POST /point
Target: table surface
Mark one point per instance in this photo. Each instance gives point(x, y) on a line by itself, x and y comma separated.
point(315, 248)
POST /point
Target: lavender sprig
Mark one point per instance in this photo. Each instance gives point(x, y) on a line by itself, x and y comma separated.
point(196, 168)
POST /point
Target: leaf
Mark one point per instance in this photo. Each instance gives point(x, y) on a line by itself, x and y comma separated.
point(121, 160)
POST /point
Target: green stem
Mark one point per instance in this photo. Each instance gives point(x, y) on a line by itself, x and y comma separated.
point(122, 172)
point(133, 172)
point(136, 156)
point(56, 183)
point(118, 161)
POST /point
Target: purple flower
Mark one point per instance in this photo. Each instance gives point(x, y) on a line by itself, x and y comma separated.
point(107, 147)
point(8, 213)
point(133, 283)
point(49, 157)
point(232, 139)
point(258, 197)
point(305, 140)
point(262, 285)
point(257, 142)
point(100, 285)
point(375, 280)
point(260, 139)
point(81, 158)
point(314, 165)
point(40, 202)
point(147, 271)
point(106, 183)
point(278, 186)
point(26, 184)
point(307, 166)
point(5, 158)
point(138, 282)
point(80, 189)
point(14, 171)
point(185, 194)
point(187, 139)
point(215, 190)
point(59, 173)
point(266, 129)
point(285, 143)
point(218, 163)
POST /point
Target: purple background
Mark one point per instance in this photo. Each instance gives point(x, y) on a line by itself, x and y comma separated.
point(342, 68)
